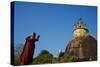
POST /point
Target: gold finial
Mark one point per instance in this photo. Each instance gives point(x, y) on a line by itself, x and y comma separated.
point(80, 25)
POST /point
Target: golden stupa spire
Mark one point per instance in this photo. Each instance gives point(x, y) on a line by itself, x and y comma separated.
point(80, 29)
point(80, 25)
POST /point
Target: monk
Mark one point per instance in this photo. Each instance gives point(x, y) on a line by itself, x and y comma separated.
point(26, 56)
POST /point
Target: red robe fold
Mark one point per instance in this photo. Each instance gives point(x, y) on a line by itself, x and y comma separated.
point(26, 56)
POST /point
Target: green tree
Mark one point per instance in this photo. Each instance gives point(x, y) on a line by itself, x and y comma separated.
point(68, 58)
point(17, 51)
point(43, 58)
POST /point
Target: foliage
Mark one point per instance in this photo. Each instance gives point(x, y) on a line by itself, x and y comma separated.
point(43, 57)
point(16, 59)
point(46, 57)
point(54, 60)
point(63, 57)
point(68, 58)
point(17, 52)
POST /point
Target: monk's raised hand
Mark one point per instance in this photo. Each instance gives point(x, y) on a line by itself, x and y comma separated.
point(38, 36)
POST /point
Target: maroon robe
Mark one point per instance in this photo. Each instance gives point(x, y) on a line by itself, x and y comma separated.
point(26, 56)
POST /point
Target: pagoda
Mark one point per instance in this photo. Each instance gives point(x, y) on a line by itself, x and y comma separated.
point(82, 44)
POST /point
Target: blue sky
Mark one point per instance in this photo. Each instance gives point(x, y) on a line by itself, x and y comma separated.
point(53, 22)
